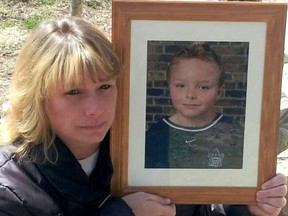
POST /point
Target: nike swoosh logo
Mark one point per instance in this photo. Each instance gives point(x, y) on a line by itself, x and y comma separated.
point(189, 141)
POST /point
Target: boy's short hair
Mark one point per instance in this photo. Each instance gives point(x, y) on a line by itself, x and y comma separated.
point(202, 51)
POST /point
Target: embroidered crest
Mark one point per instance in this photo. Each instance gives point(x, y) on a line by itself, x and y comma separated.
point(215, 158)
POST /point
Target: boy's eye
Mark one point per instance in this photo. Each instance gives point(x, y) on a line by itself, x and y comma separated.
point(204, 87)
point(73, 92)
point(179, 85)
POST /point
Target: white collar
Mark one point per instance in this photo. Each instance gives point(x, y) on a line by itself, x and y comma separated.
point(88, 164)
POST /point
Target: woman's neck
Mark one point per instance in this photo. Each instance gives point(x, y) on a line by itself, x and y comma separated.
point(82, 152)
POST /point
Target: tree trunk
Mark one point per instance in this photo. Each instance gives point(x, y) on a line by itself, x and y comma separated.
point(76, 7)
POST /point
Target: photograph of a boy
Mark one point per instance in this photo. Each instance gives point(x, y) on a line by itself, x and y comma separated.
point(195, 136)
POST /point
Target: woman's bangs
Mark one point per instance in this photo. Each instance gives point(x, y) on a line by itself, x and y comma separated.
point(90, 65)
point(94, 64)
point(64, 72)
point(75, 66)
point(72, 74)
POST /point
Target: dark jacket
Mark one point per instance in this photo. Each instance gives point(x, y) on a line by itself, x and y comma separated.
point(44, 189)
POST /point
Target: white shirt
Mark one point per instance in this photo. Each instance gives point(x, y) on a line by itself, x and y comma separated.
point(88, 164)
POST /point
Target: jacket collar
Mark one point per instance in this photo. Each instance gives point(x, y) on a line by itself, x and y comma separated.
point(73, 187)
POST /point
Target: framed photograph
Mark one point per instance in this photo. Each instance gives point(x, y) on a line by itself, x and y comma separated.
point(230, 164)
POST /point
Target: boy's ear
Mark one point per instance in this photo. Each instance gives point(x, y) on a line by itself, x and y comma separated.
point(220, 91)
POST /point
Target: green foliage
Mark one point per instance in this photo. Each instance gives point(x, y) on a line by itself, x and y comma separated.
point(47, 2)
point(28, 23)
point(8, 23)
point(40, 2)
point(34, 20)
point(6, 47)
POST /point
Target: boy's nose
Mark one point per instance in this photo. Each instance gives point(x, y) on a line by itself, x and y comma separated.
point(192, 97)
point(191, 94)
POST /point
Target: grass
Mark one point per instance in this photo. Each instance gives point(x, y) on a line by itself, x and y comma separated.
point(9, 19)
point(28, 23)
point(34, 20)
point(9, 23)
point(10, 47)
point(47, 2)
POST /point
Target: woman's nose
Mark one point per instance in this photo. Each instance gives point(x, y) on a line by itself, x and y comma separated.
point(93, 106)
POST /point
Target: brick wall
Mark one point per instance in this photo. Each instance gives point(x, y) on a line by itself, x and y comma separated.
point(234, 56)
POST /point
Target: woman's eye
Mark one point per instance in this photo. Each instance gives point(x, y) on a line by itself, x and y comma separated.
point(106, 86)
point(73, 92)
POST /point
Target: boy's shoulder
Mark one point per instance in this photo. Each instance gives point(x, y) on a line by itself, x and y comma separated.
point(227, 119)
point(158, 127)
point(230, 122)
point(161, 123)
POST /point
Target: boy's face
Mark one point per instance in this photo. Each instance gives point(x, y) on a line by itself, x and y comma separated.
point(194, 89)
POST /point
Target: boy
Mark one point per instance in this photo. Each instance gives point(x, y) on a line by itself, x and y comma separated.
point(195, 136)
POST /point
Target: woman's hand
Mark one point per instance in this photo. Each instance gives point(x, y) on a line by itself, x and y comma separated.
point(271, 198)
point(144, 204)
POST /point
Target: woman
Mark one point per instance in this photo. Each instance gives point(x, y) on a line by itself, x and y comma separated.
point(63, 98)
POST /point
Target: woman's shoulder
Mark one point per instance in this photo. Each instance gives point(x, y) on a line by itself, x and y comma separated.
point(20, 186)
point(10, 166)
point(6, 153)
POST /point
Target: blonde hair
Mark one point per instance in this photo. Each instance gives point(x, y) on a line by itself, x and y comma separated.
point(56, 50)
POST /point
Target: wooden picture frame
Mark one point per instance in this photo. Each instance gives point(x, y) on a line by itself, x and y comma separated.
point(263, 26)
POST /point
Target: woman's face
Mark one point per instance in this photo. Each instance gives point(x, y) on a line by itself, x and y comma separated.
point(82, 115)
